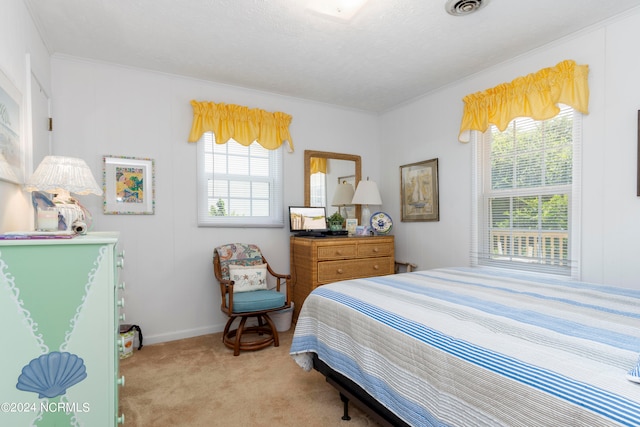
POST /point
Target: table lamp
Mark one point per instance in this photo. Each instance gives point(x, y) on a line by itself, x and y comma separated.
point(366, 194)
point(62, 176)
point(343, 196)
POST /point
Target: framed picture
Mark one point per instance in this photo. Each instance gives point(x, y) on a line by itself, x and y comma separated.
point(12, 150)
point(419, 191)
point(352, 224)
point(128, 185)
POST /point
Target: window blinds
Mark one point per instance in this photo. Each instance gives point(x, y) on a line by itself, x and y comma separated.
point(527, 184)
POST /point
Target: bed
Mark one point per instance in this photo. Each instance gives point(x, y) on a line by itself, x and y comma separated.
point(477, 347)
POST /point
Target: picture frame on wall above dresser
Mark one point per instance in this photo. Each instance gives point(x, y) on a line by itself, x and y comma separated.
point(419, 198)
point(129, 185)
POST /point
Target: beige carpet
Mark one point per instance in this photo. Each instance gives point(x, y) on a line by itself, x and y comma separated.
point(197, 382)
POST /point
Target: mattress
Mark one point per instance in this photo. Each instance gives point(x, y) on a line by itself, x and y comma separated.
point(480, 346)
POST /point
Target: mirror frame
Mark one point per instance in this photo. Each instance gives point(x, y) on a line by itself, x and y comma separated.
point(308, 154)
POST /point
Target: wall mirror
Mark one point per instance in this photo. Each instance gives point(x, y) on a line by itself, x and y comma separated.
point(319, 188)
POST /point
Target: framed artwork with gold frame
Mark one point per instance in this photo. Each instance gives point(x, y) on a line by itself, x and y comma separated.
point(419, 199)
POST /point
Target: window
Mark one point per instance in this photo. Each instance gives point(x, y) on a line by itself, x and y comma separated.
point(317, 189)
point(239, 186)
point(527, 188)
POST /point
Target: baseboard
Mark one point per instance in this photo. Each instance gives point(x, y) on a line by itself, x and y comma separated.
point(179, 335)
point(196, 332)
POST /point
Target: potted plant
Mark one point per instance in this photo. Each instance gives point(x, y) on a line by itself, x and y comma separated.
point(335, 221)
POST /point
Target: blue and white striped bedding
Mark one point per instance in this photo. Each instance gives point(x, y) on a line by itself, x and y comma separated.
point(480, 347)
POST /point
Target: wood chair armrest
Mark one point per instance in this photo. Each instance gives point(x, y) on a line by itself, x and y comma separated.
point(226, 287)
point(277, 275)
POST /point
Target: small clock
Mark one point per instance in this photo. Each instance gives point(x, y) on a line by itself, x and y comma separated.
point(381, 222)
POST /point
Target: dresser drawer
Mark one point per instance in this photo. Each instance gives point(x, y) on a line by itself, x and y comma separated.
point(317, 262)
point(333, 271)
point(337, 251)
point(375, 249)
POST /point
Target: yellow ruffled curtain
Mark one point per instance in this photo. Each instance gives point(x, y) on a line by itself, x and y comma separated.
point(318, 164)
point(535, 95)
point(245, 125)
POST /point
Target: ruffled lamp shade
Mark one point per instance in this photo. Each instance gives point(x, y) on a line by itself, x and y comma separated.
point(62, 175)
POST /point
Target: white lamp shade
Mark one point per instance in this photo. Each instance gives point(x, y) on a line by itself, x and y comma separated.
point(367, 194)
point(343, 195)
point(57, 174)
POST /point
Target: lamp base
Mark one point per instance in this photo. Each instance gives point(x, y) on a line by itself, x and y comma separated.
point(75, 217)
point(365, 215)
point(46, 219)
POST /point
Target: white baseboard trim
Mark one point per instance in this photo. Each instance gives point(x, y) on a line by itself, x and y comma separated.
point(179, 335)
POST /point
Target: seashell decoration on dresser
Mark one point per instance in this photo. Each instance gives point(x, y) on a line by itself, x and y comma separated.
point(51, 374)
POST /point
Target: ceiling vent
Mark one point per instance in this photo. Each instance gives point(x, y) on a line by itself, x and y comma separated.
point(463, 7)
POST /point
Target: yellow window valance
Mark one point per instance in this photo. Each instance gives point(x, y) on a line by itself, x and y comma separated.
point(245, 125)
point(318, 164)
point(535, 95)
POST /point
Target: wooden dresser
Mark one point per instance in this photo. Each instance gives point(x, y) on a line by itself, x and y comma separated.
point(318, 261)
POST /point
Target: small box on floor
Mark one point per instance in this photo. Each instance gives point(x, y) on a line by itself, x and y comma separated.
point(127, 340)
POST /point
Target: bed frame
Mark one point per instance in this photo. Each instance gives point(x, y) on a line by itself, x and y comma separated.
point(350, 391)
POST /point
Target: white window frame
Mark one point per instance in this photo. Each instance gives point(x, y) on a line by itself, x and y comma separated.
point(275, 179)
point(480, 246)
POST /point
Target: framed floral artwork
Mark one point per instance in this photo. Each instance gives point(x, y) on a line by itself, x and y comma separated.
point(419, 200)
point(129, 185)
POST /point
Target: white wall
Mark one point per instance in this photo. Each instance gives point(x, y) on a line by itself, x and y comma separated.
point(19, 38)
point(428, 128)
point(101, 109)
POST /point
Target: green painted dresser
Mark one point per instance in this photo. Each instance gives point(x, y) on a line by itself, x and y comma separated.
point(59, 313)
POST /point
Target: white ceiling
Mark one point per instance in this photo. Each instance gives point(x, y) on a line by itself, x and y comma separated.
point(392, 51)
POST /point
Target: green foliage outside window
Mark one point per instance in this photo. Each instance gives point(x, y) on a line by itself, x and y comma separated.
point(526, 157)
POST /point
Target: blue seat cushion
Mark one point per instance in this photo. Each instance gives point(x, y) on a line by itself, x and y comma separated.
point(263, 299)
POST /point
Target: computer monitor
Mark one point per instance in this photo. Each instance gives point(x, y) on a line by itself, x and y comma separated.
point(307, 220)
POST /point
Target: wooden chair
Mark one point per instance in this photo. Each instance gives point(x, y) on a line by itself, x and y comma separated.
point(408, 266)
point(241, 300)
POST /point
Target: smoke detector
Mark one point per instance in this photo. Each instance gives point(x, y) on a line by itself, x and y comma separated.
point(463, 7)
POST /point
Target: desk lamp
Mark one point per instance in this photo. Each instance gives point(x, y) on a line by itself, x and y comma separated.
point(62, 176)
point(343, 196)
point(366, 194)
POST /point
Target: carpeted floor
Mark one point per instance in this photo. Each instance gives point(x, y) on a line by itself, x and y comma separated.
point(197, 382)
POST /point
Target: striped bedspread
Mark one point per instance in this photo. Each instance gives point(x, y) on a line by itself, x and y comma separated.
point(480, 347)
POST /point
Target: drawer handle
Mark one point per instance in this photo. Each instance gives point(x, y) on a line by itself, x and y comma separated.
point(339, 271)
point(121, 286)
point(376, 267)
point(120, 303)
point(122, 317)
point(376, 250)
point(120, 381)
point(120, 419)
point(338, 252)
point(120, 263)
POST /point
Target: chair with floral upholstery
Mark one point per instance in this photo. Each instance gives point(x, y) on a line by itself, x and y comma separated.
point(242, 272)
